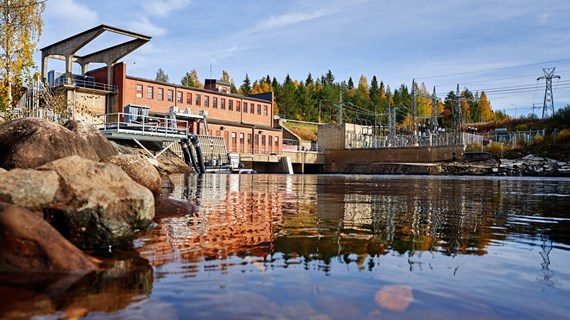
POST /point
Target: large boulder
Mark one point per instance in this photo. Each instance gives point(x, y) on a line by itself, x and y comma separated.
point(168, 207)
point(29, 188)
point(28, 243)
point(32, 142)
point(102, 147)
point(97, 204)
point(140, 170)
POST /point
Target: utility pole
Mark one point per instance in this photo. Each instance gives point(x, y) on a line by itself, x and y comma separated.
point(391, 125)
point(340, 107)
point(434, 111)
point(457, 118)
point(548, 97)
point(414, 126)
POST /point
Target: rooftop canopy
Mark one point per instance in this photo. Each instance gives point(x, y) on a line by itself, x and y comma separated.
point(66, 50)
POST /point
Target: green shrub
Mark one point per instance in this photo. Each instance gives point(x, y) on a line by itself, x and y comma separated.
point(473, 147)
point(538, 139)
point(563, 135)
point(496, 149)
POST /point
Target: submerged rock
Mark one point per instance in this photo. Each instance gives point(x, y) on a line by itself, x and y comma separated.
point(168, 207)
point(97, 204)
point(30, 244)
point(394, 297)
point(140, 170)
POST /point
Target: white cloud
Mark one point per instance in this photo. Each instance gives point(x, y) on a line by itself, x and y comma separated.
point(65, 13)
point(292, 18)
point(144, 26)
point(162, 8)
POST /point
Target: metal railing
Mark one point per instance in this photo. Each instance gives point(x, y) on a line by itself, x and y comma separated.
point(139, 124)
point(62, 81)
point(355, 140)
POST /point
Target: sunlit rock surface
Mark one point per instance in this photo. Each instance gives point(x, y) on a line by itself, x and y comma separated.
point(29, 188)
point(32, 142)
point(28, 243)
point(97, 204)
point(140, 170)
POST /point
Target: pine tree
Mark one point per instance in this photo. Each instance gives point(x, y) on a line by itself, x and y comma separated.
point(307, 109)
point(161, 76)
point(287, 100)
point(328, 78)
point(245, 88)
point(350, 84)
point(374, 93)
point(309, 81)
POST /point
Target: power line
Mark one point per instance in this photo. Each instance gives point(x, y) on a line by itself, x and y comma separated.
point(494, 69)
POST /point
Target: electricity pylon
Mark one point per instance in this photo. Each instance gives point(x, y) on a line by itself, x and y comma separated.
point(548, 97)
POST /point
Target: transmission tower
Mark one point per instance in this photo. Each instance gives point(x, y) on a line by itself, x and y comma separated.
point(548, 98)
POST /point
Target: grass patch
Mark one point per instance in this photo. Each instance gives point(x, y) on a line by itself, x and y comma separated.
point(305, 131)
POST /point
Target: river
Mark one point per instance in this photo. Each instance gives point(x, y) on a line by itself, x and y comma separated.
point(348, 247)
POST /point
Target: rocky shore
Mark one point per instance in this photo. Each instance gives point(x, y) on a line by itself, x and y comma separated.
point(67, 193)
point(478, 164)
point(529, 165)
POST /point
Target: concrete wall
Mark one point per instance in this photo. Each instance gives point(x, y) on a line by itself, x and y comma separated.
point(331, 137)
point(338, 161)
point(346, 135)
point(86, 104)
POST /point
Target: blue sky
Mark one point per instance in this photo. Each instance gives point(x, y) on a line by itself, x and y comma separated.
point(497, 46)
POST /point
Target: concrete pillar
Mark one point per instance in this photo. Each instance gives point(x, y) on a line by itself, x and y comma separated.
point(110, 74)
point(84, 68)
point(68, 69)
point(44, 67)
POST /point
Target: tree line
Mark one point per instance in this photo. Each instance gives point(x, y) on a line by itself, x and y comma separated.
point(367, 102)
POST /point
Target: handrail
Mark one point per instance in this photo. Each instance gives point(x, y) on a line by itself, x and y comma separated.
point(156, 126)
point(84, 84)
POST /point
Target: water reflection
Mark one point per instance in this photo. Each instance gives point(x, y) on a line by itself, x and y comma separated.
point(235, 215)
point(332, 247)
point(126, 279)
point(322, 217)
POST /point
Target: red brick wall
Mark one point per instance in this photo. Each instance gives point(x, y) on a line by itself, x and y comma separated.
point(128, 95)
point(129, 92)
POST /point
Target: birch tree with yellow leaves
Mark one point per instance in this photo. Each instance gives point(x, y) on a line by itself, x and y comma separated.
point(20, 29)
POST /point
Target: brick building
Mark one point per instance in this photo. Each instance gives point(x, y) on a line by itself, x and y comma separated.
point(246, 122)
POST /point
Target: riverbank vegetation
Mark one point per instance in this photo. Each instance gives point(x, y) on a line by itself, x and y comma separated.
point(553, 141)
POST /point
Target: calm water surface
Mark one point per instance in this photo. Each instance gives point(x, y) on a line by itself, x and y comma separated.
point(355, 247)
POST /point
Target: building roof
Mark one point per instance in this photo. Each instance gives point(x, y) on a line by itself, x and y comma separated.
point(234, 95)
point(70, 46)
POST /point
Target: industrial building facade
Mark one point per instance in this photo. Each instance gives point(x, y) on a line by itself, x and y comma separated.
point(245, 122)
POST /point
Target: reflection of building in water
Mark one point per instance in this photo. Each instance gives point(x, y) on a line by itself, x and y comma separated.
point(350, 218)
point(234, 216)
point(410, 215)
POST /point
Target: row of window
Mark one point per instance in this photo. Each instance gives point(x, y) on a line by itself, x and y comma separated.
point(251, 107)
point(264, 139)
